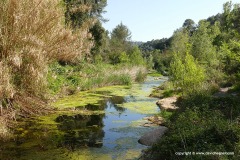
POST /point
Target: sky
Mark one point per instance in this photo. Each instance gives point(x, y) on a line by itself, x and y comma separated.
point(156, 19)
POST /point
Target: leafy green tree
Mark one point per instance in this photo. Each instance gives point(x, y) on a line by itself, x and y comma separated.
point(100, 38)
point(202, 45)
point(122, 33)
point(123, 58)
point(179, 41)
point(119, 42)
point(136, 56)
point(120, 38)
point(160, 44)
point(231, 26)
point(189, 25)
point(187, 74)
point(231, 56)
point(177, 70)
point(227, 16)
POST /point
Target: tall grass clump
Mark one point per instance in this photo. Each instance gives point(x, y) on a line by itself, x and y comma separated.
point(69, 79)
point(32, 35)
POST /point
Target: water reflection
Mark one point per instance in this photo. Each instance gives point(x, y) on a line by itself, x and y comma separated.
point(87, 130)
point(81, 130)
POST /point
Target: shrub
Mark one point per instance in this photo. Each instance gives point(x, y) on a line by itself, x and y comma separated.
point(198, 131)
point(187, 74)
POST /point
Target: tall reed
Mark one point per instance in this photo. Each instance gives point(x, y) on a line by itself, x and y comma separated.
point(32, 35)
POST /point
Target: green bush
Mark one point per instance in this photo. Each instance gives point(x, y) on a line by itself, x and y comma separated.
point(199, 131)
point(187, 74)
point(203, 124)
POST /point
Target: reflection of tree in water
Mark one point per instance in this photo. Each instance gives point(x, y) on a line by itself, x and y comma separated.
point(81, 130)
point(86, 130)
point(113, 101)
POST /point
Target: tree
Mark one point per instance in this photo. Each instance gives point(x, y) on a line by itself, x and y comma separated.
point(180, 39)
point(123, 58)
point(150, 63)
point(119, 42)
point(189, 25)
point(99, 37)
point(202, 47)
point(80, 11)
point(136, 56)
point(87, 14)
point(187, 74)
point(121, 33)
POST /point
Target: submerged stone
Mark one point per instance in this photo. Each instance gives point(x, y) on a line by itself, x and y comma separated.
point(152, 137)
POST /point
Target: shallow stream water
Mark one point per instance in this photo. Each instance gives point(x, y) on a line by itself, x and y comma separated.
point(107, 126)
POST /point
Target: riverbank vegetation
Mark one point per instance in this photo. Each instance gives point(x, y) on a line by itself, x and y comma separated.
point(204, 73)
point(51, 48)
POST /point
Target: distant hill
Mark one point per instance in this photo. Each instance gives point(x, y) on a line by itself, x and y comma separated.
point(160, 44)
point(137, 43)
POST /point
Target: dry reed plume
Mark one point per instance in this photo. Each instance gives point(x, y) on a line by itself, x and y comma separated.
point(33, 34)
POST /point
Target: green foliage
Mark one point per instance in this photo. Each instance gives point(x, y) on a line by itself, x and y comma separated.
point(203, 124)
point(231, 56)
point(154, 73)
point(120, 37)
point(140, 77)
point(149, 61)
point(136, 56)
point(100, 39)
point(157, 44)
point(180, 39)
point(202, 48)
point(189, 25)
point(121, 33)
point(125, 79)
point(162, 62)
point(186, 74)
point(123, 58)
point(98, 59)
point(71, 78)
point(201, 128)
point(79, 12)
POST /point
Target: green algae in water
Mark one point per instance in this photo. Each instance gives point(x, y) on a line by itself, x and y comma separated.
point(67, 134)
point(80, 99)
point(84, 98)
point(134, 90)
point(143, 107)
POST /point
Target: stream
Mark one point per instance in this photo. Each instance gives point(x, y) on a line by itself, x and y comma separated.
point(104, 123)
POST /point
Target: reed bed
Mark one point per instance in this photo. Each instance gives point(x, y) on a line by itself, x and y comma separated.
point(33, 34)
